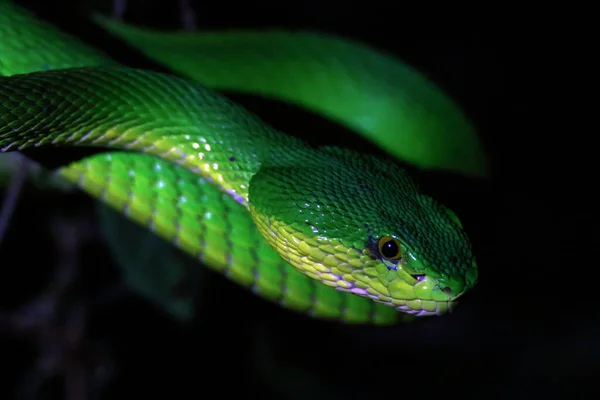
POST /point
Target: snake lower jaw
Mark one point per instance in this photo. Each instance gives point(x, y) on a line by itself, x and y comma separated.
point(441, 308)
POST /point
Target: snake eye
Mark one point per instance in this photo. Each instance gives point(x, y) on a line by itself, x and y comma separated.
point(389, 248)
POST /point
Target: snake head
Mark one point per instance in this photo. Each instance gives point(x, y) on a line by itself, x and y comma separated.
point(361, 225)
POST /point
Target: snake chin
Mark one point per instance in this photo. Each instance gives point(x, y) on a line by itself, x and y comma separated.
point(441, 308)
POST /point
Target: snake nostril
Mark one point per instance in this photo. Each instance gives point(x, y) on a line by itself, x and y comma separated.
point(447, 290)
point(418, 277)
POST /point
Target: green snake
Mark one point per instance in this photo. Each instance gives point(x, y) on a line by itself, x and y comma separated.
point(326, 231)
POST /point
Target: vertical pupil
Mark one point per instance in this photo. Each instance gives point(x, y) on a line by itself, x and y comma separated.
point(390, 249)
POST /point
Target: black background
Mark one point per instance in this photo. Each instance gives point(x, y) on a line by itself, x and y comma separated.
point(529, 328)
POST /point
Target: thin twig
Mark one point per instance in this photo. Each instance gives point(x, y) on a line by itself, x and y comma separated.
point(13, 191)
point(64, 349)
point(119, 7)
point(188, 16)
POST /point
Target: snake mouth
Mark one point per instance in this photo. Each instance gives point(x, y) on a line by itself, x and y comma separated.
point(428, 302)
point(433, 308)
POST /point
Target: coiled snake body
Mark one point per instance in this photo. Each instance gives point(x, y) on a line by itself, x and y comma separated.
point(326, 231)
